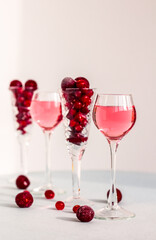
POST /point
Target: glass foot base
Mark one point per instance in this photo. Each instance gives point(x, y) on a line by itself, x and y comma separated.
point(71, 202)
point(41, 189)
point(112, 214)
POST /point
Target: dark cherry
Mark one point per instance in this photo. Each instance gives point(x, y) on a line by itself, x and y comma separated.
point(16, 83)
point(75, 208)
point(77, 105)
point(82, 82)
point(67, 82)
point(22, 182)
point(119, 195)
point(31, 85)
point(24, 199)
point(59, 205)
point(85, 214)
point(49, 194)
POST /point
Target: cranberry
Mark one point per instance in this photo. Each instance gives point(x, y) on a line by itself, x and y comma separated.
point(28, 94)
point(71, 113)
point(67, 82)
point(59, 205)
point(78, 93)
point(82, 82)
point(77, 105)
point(72, 123)
point(78, 128)
point(24, 199)
point(16, 83)
point(22, 182)
point(84, 123)
point(19, 101)
point(85, 110)
point(75, 208)
point(86, 100)
point(49, 194)
point(88, 92)
point(85, 214)
point(31, 84)
point(27, 103)
point(77, 139)
point(80, 117)
point(119, 195)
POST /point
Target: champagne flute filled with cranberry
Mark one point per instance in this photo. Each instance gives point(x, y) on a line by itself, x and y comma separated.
point(114, 115)
point(77, 102)
point(21, 96)
point(46, 111)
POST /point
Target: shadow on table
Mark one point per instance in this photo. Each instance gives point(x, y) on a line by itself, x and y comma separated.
point(99, 200)
point(8, 205)
point(68, 219)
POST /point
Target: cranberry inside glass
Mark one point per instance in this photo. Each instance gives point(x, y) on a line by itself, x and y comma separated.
point(21, 99)
point(114, 115)
point(46, 111)
point(77, 109)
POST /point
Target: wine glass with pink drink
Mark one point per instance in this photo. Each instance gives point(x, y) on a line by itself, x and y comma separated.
point(47, 113)
point(114, 115)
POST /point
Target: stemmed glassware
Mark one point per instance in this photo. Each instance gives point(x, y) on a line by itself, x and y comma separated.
point(114, 115)
point(77, 108)
point(21, 99)
point(46, 111)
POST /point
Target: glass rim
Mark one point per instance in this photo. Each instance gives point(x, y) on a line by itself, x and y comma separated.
point(115, 94)
point(45, 91)
point(76, 89)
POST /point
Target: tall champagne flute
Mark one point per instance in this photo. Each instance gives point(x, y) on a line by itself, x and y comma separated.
point(114, 115)
point(77, 107)
point(47, 113)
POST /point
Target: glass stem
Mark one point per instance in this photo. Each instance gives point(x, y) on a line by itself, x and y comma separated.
point(47, 135)
point(112, 200)
point(76, 171)
point(23, 154)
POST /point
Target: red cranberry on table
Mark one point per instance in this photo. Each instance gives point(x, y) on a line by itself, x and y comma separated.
point(75, 208)
point(31, 84)
point(119, 195)
point(22, 182)
point(85, 213)
point(16, 83)
point(81, 82)
point(68, 82)
point(49, 194)
point(59, 205)
point(24, 199)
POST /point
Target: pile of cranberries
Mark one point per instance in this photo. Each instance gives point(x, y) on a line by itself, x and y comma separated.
point(78, 98)
point(23, 96)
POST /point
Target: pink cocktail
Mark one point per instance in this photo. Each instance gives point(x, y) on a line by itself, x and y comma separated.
point(46, 111)
point(47, 114)
point(114, 121)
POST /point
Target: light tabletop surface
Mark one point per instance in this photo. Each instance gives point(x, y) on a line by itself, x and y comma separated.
point(43, 222)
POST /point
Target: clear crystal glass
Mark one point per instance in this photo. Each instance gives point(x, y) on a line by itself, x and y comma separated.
point(46, 111)
point(23, 124)
point(77, 109)
point(114, 115)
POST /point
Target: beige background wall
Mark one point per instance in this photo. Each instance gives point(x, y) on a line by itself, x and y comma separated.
point(111, 42)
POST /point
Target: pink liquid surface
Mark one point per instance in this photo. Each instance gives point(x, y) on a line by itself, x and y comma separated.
point(47, 114)
point(114, 121)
